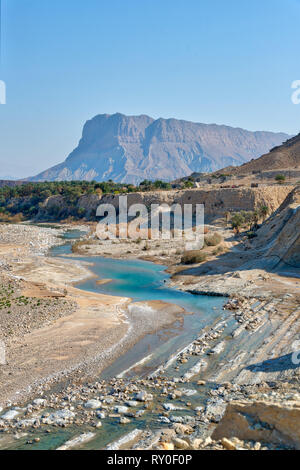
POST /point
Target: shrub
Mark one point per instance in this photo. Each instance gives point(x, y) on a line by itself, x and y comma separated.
point(280, 179)
point(193, 257)
point(213, 240)
point(237, 221)
point(220, 250)
point(251, 235)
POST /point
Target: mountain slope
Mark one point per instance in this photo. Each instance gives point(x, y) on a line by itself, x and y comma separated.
point(285, 156)
point(132, 148)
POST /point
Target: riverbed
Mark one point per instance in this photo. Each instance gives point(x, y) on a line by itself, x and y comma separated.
point(144, 281)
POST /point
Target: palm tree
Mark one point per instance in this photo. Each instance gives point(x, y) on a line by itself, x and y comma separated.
point(227, 217)
point(237, 222)
point(263, 212)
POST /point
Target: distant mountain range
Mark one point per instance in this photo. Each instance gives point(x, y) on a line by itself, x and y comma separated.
point(9, 178)
point(133, 148)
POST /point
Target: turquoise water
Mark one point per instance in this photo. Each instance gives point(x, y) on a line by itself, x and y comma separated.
point(145, 281)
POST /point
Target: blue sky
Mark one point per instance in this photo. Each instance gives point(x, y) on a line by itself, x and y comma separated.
point(214, 61)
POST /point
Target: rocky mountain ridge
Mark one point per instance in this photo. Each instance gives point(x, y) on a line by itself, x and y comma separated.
point(133, 148)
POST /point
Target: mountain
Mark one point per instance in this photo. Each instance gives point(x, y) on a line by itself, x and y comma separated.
point(283, 157)
point(8, 178)
point(133, 148)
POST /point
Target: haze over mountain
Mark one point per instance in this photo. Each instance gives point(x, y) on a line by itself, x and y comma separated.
point(134, 148)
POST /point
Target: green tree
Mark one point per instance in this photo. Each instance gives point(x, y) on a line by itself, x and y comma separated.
point(280, 179)
point(263, 212)
point(237, 221)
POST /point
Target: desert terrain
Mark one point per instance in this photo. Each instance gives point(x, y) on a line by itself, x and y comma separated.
point(234, 386)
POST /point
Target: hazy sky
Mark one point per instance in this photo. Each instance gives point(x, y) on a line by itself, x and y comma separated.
point(214, 61)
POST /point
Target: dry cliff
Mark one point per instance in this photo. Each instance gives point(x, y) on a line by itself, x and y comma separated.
point(216, 201)
point(280, 234)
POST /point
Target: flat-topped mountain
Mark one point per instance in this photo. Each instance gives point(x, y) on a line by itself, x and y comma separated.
point(134, 148)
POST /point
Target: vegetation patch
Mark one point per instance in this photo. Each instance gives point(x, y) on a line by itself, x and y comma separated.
point(213, 239)
point(194, 257)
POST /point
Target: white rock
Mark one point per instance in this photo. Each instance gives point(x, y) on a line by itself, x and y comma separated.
point(124, 439)
point(9, 415)
point(124, 420)
point(171, 407)
point(59, 417)
point(189, 392)
point(77, 441)
point(121, 409)
point(132, 403)
point(215, 409)
point(144, 396)
point(176, 419)
point(93, 404)
point(199, 408)
point(39, 402)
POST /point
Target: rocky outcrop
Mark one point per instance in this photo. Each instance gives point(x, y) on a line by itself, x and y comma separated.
point(132, 148)
point(280, 234)
point(264, 422)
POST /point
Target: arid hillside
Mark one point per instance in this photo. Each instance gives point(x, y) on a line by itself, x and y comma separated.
point(285, 156)
point(280, 165)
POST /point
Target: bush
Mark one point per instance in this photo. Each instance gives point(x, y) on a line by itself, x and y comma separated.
point(280, 179)
point(213, 240)
point(220, 250)
point(251, 235)
point(193, 257)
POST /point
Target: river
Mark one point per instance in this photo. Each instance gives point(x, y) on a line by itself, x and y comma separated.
point(146, 281)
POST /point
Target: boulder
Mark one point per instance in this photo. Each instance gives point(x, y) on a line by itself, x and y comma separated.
point(93, 404)
point(276, 423)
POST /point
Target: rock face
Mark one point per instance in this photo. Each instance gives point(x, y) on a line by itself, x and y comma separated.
point(133, 148)
point(263, 422)
point(280, 234)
